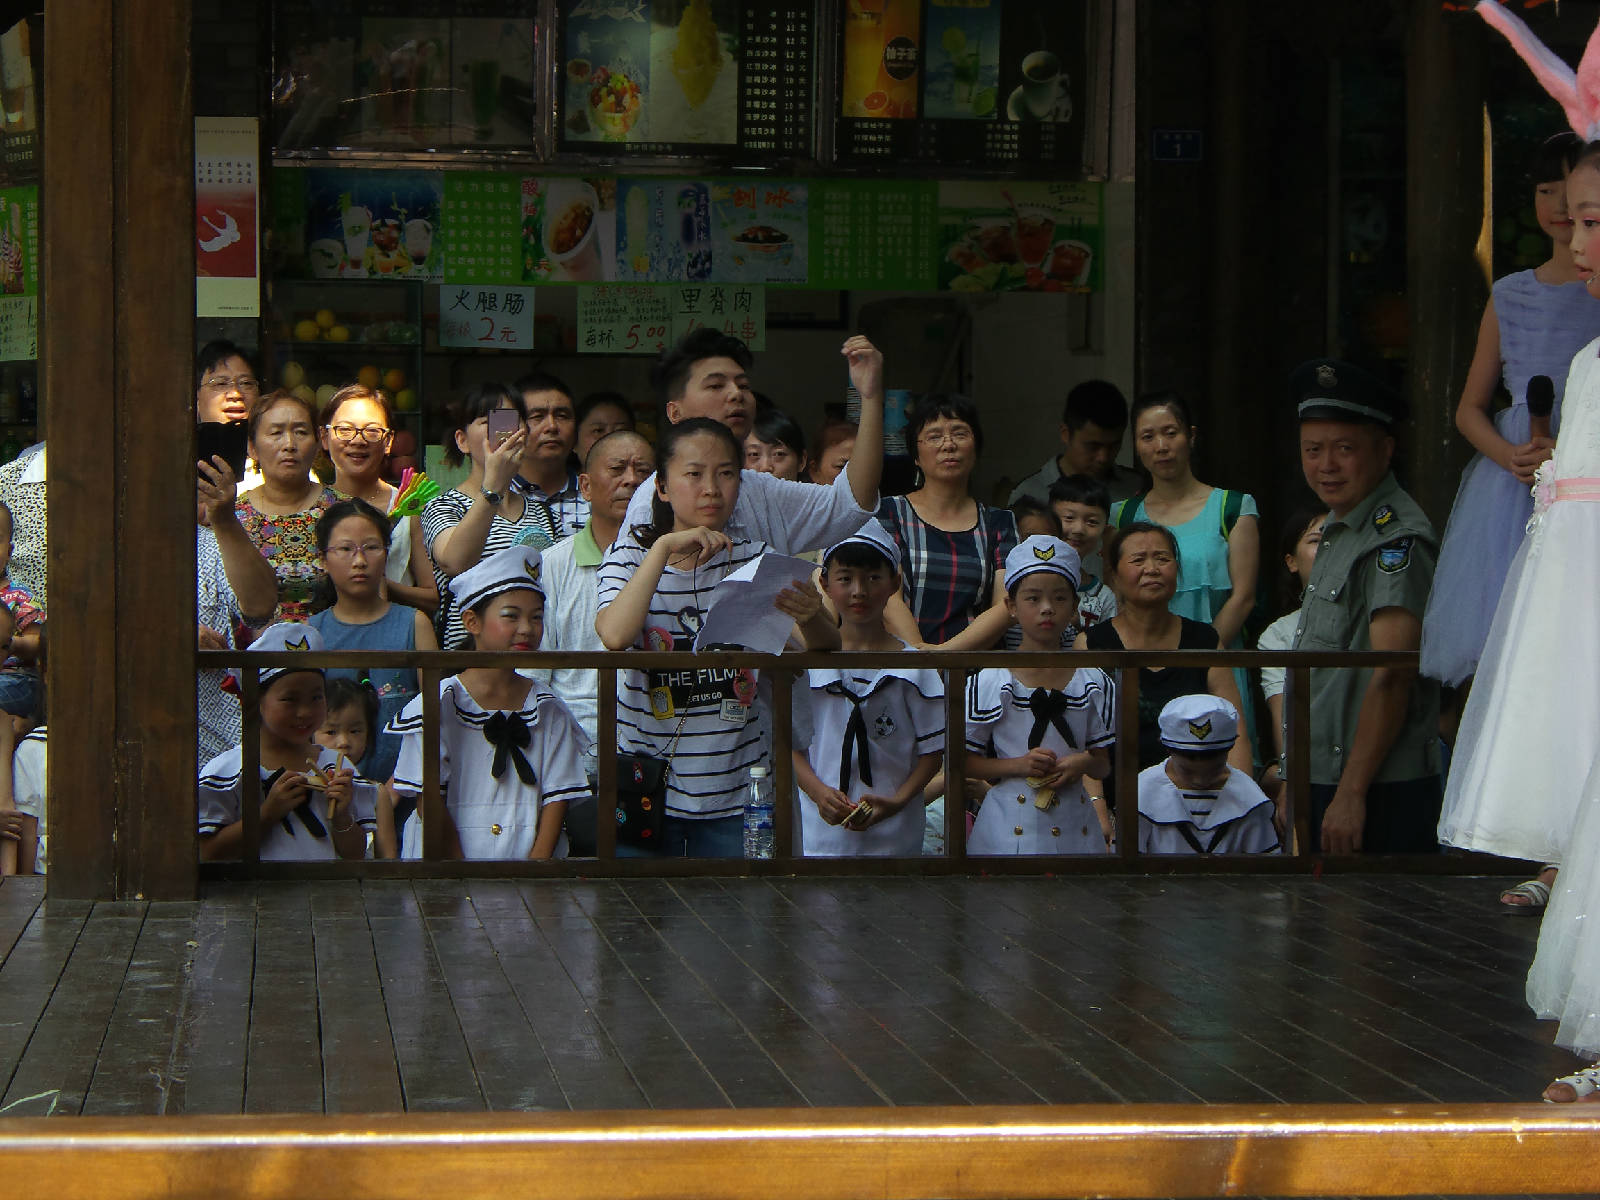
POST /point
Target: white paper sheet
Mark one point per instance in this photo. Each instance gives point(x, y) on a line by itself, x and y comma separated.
point(741, 612)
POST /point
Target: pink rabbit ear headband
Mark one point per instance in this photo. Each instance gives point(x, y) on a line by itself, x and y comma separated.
point(1578, 92)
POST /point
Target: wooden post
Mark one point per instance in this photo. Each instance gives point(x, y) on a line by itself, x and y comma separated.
point(955, 764)
point(118, 289)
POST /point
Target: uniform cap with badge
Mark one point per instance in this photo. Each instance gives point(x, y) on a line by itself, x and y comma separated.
point(1199, 724)
point(284, 636)
point(872, 535)
point(1041, 552)
point(516, 568)
point(1326, 389)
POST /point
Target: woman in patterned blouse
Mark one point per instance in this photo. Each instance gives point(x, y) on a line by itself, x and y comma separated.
point(952, 548)
point(281, 515)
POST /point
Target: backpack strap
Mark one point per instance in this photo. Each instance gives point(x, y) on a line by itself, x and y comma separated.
point(1232, 509)
point(1129, 507)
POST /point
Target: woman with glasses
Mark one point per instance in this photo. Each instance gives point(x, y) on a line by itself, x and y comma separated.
point(281, 514)
point(357, 429)
point(952, 547)
point(225, 386)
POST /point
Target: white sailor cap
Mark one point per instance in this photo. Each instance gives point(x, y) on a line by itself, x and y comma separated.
point(508, 570)
point(871, 534)
point(286, 635)
point(1041, 552)
point(1199, 723)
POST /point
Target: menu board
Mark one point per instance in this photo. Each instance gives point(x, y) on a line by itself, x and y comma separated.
point(685, 77)
point(981, 83)
point(403, 73)
point(875, 234)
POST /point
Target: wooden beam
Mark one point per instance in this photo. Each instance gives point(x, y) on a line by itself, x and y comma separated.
point(1048, 1153)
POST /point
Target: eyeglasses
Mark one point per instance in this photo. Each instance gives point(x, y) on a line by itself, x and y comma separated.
point(347, 550)
point(367, 433)
point(245, 383)
point(955, 437)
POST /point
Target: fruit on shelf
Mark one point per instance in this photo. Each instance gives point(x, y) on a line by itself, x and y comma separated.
point(305, 393)
point(324, 394)
point(292, 376)
point(369, 376)
point(405, 442)
point(405, 400)
point(339, 333)
point(394, 379)
point(307, 331)
point(325, 318)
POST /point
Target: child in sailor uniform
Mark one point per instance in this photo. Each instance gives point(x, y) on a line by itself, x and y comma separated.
point(1193, 802)
point(313, 806)
point(510, 752)
point(1037, 732)
point(876, 736)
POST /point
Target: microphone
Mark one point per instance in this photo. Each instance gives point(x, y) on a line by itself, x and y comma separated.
point(1541, 399)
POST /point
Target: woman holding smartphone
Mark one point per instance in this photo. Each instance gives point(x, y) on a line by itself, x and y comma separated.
point(482, 514)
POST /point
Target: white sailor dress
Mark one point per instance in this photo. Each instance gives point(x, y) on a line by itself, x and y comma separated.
point(1006, 719)
point(305, 834)
point(868, 728)
point(497, 769)
point(1235, 820)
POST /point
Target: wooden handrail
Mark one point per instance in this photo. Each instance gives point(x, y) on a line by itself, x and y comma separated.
point(1043, 1153)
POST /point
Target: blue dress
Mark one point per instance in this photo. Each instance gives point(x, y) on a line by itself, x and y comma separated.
point(395, 630)
point(1542, 326)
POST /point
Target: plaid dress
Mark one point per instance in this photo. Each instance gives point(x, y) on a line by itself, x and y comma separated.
point(948, 577)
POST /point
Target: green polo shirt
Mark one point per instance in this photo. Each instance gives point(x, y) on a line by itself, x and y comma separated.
point(1380, 554)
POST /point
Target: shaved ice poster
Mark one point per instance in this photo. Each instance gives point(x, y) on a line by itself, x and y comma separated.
point(686, 230)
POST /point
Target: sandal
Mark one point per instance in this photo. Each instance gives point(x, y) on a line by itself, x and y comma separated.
point(1536, 892)
point(1583, 1083)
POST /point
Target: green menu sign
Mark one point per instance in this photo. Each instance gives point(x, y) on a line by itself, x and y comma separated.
point(874, 234)
point(482, 222)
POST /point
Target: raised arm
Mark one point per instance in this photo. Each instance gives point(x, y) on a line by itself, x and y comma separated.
point(865, 468)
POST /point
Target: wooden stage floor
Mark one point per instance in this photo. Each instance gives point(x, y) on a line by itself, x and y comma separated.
point(467, 995)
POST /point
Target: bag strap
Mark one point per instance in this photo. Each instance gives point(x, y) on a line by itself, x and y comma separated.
point(1232, 510)
point(1129, 507)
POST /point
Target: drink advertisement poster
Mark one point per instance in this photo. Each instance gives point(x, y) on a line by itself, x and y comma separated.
point(684, 230)
point(1019, 237)
point(656, 73)
point(227, 276)
point(349, 223)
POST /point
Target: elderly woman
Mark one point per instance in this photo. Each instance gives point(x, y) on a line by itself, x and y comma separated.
point(952, 547)
point(281, 514)
point(1142, 566)
point(357, 429)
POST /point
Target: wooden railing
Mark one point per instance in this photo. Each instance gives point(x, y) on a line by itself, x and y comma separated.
point(1123, 666)
point(1043, 1153)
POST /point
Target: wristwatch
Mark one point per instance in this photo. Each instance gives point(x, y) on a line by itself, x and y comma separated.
point(494, 498)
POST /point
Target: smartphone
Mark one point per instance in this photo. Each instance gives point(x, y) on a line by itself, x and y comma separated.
point(228, 440)
point(503, 422)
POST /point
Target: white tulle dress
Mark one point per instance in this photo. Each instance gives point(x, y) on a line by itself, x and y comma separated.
point(1564, 982)
point(1531, 728)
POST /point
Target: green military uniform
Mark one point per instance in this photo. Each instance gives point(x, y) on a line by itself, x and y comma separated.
point(1379, 555)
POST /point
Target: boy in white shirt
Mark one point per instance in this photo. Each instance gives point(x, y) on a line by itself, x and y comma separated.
point(1193, 802)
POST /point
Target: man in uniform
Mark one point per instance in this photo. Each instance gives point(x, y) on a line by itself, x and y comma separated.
point(1375, 782)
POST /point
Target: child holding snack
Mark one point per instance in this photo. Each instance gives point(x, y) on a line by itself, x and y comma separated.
point(1036, 732)
point(312, 805)
point(877, 734)
point(1194, 802)
point(510, 754)
point(655, 589)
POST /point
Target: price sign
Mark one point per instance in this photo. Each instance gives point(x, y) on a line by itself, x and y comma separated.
point(19, 328)
point(737, 309)
point(624, 318)
point(498, 318)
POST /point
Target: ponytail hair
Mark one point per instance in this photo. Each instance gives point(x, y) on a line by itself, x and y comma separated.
point(661, 515)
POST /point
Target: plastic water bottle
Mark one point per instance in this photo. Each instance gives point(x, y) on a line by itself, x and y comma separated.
point(759, 839)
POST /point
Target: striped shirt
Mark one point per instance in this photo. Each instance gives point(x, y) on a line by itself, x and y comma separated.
point(705, 720)
point(569, 511)
point(297, 836)
point(948, 577)
point(446, 512)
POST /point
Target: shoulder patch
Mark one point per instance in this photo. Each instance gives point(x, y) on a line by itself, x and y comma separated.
point(1395, 557)
point(1383, 517)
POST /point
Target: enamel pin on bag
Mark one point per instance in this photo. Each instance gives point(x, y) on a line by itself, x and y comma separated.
point(641, 799)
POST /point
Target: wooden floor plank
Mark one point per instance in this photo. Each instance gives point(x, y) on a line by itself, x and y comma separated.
point(66, 1041)
point(283, 1065)
point(435, 1067)
point(213, 1035)
point(28, 978)
point(20, 897)
point(360, 1070)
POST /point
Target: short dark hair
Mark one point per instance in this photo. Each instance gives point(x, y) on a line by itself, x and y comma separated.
point(1201, 758)
point(213, 354)
point(1027, 506)
point(1554, 158)
point(1096, 400)
point(1119, 539)
point(1294, 527)
point(1081, 489)
point(267, 401)
point(776, 427)
point(356, 391)
point(1164, 398)
point(540, 381)
point(354, 506)
point(343, 691)
point(481, 399)
point(859, 557)
point(596, 400)
point(951, 406)
point(666, 449)
point(669, 375)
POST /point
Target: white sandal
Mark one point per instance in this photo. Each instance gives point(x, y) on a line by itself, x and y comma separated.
point(1535, 891)
point(1583, 1083)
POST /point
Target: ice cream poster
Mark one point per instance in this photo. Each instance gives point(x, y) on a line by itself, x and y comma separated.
point(1034, 237)
point(691, 231)
point(373, 224)
point(650, 73)
point(227, 280)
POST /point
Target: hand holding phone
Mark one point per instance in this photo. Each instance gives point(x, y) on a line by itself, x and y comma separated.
point(503, 422)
